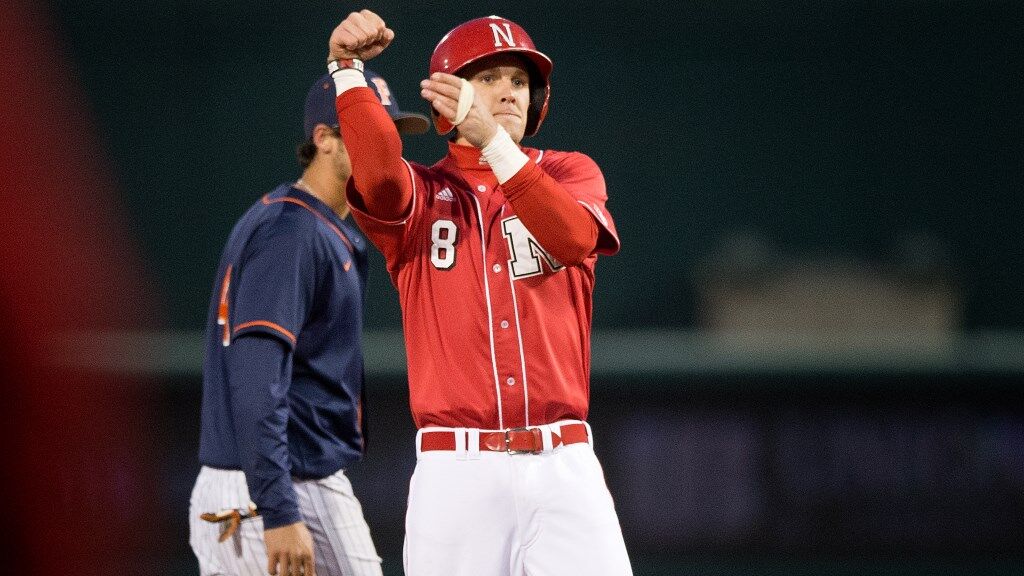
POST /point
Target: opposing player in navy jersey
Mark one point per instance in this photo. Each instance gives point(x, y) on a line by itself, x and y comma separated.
point(283, 373)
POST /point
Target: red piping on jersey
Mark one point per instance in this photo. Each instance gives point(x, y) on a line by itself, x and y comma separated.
point(268, 201)
point(270, 325)
point(222, 309)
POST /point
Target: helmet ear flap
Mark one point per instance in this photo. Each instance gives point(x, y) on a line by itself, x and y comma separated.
point(538, 109)
point(539, 93)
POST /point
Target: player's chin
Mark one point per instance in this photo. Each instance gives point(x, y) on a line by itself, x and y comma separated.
point(514, 125)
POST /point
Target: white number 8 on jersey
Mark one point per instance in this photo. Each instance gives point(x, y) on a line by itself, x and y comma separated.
point(442, 250)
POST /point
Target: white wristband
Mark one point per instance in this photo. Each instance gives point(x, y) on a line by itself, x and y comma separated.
point(348, 78)
point(504, 156)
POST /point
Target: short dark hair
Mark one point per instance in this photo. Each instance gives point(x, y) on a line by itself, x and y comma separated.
point(306, 151)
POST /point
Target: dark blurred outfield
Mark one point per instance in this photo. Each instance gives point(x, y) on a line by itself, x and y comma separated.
point(831, 127)
point(808, 355)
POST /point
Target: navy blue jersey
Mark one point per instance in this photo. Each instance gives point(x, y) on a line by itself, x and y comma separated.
point(283, 373)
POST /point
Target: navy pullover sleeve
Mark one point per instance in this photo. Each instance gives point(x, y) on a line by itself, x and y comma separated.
point(259, 371)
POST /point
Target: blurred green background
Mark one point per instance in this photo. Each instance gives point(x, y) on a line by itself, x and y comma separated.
point(849, 128)
point(808, 353)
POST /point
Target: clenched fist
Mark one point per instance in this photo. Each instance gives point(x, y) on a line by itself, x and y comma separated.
point(361, 35)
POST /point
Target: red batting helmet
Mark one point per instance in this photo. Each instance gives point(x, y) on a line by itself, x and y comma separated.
point(483, 37)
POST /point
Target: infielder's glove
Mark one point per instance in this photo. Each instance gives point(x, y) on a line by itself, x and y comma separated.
point(231, 518)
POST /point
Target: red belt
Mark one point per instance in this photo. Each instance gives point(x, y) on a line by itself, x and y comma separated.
point(513, 441)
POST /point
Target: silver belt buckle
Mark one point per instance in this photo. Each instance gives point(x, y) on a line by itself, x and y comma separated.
point(508, 441)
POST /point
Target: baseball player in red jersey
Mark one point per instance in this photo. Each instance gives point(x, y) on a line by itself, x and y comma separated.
point(493, 251)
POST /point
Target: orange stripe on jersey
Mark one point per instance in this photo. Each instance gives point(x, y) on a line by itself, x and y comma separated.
point(270, 325)
point(359, 425)
point(222, 309)
point(268, 201)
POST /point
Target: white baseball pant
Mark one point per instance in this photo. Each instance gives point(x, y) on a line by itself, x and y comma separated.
point(474, 512)
point(341, 537)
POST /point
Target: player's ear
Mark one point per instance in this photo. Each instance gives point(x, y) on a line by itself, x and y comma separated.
point(325, 138)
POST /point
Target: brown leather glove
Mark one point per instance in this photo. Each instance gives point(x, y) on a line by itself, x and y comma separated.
point(230, 519)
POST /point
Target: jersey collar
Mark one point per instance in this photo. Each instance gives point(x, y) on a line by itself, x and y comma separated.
point(318, 205)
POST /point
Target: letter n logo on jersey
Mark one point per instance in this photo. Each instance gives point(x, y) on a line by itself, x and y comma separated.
point(526, 254)
point(502, 35)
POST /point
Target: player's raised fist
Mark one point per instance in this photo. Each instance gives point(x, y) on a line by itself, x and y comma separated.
point(361, 35)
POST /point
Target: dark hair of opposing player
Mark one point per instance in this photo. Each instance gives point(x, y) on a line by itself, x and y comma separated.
point(306, 151)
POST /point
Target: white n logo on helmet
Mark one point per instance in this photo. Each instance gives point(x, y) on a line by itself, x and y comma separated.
point(499, 35)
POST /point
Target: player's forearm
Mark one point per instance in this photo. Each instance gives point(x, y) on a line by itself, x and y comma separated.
point(375, 149)
point(258, 377)
point(562, 227)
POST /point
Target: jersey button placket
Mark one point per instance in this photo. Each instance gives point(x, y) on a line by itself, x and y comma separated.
point(506, 343)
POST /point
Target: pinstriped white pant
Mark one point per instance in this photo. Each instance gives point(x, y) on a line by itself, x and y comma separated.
point(341, 537)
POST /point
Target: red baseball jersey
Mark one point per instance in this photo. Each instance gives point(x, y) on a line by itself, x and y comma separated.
point(497, 331)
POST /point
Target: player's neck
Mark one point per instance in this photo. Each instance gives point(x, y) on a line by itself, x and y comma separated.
point(326, 187)
point(467, 157)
